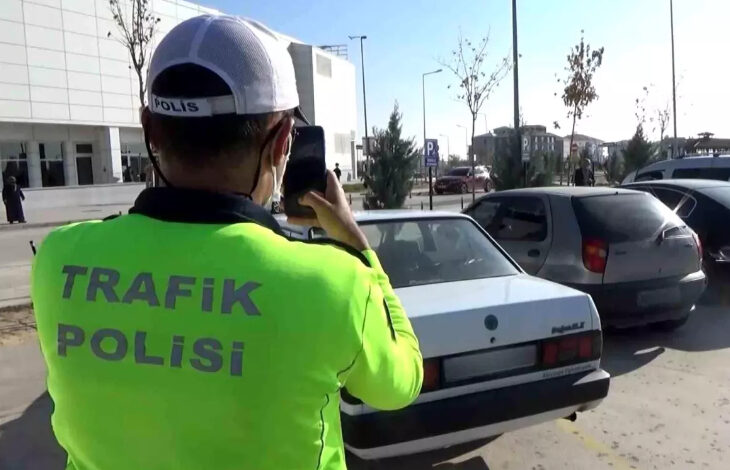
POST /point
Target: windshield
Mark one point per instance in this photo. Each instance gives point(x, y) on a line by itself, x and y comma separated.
point(622, 218)
point(721, 195)
point(458, 172)
point(431, 251)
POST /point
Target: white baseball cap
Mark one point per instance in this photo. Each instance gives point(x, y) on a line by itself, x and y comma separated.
point(250, 58)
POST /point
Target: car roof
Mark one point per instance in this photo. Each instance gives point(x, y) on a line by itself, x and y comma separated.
point(402, 214)
point(682, 183)
point(677, 161)
point(569, 191)
point(392, 214)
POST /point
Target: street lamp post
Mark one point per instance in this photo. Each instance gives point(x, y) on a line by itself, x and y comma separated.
point(430, 169)
point(364, 100)
point(516, 76)
point(674, 85)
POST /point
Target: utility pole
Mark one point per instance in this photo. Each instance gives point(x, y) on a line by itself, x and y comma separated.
point(516, 76)
point(364, 99)
point(430, 169)
point(674, 84)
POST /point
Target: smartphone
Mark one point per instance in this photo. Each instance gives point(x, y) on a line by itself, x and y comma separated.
point(306, 170)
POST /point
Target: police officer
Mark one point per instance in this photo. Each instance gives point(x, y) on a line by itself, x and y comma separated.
point(191, 333)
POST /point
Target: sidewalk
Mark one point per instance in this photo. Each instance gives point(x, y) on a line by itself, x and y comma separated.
point(55, 216)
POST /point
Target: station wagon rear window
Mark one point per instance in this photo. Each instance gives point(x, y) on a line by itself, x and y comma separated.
point(620, 218)
point(417, 252)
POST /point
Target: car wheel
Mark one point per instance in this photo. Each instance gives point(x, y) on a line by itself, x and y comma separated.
point(439, 192)
point(486, 186)
point(670, 325)
point(464, 188)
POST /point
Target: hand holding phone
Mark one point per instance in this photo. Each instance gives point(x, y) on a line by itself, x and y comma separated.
point(306, 170)
point(332, 213)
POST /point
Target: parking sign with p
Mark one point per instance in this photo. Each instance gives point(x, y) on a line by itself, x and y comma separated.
point(431, 153)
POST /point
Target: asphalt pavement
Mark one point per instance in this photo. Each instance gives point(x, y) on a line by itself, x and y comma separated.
point(668, 408)
point(16, 255)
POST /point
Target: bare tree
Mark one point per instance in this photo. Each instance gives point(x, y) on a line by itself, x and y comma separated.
point(136, 27)
point(662, 117)
point(474, 85)
point(579, 91)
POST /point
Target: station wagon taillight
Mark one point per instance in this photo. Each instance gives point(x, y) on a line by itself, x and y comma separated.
point(431, 375)
point(572, 349)
point(595, 254)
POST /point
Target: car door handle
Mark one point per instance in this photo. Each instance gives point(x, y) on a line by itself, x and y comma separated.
point(534, 253)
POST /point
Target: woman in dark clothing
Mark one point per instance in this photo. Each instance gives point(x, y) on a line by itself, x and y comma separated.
point(12, 197)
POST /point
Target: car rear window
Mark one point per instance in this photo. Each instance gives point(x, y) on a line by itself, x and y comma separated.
point(417, 252)
point(721, 195)
point(620, 218)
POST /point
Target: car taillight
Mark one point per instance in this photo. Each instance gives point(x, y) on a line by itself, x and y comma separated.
point(595, 254)
point(431, 375)
point(571, 349)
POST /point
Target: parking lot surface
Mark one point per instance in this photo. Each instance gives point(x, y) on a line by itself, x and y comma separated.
point(668, 408)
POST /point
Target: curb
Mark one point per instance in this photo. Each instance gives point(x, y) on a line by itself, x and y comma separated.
point(18, 227)
point(15, 307)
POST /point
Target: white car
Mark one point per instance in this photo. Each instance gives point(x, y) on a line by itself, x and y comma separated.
point(502, 350)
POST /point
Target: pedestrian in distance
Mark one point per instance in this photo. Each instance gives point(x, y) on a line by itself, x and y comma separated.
point(192, 333)
point(338, 172)
point(584, 174)
point(13, 198)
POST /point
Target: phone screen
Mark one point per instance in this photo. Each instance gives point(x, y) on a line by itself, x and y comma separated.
point(305, 171)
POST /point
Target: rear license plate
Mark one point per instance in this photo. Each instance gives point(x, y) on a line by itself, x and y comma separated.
point(469, 366)
point(665, 296)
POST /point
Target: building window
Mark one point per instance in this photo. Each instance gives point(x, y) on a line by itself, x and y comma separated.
point(84, 148)
point(324, 66)
point(52, 164)
point(14, 162)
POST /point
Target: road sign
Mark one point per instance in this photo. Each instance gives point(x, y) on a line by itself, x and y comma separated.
point(431, 153)
point(525, 148)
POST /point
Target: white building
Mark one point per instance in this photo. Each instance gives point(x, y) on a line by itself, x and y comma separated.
point(69, 106)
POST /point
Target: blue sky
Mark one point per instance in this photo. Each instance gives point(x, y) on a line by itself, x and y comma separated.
point(408, 37)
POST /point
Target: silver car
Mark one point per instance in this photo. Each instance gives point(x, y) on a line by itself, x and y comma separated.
point(638, 260)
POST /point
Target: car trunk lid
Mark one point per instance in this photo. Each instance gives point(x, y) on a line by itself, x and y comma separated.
point(494, 313)
point(640, 238)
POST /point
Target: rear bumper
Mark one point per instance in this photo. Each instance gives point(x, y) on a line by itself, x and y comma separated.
point(618, 303)
point(440, 423)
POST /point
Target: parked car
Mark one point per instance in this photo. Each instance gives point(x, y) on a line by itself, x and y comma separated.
point(502, 349)
point(638, 260)
point(700, 167)
point(704, 205)
point(460, 180)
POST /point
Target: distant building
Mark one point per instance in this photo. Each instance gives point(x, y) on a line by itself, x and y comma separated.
point(536, 141)
point(69, 105)
point(581, 142)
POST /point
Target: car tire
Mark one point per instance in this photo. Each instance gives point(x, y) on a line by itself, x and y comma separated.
point(486, 186)
point(463, 189)
point(439, 192)
point(670, 325)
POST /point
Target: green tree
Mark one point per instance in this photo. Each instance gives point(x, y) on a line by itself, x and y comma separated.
point(579, 91)
point(393, 162)
point(638, 152)
point(614, 169)
point(508, 172)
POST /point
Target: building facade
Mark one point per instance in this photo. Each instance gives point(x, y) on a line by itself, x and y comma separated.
point(536, 141)
point(69, 101)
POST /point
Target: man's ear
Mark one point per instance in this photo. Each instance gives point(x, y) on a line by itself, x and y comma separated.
point(281, 142)
point(145, 118)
